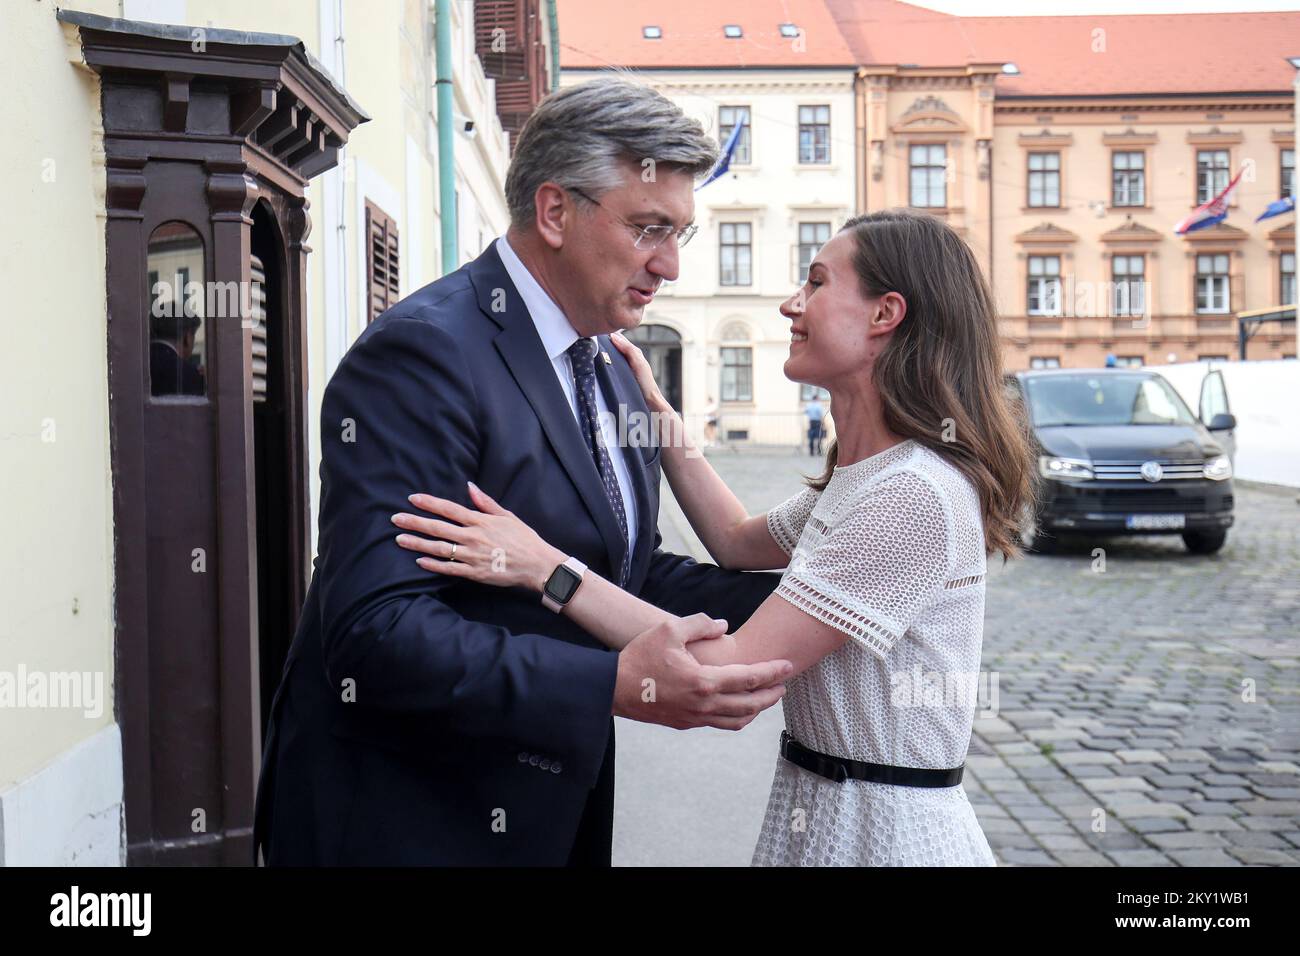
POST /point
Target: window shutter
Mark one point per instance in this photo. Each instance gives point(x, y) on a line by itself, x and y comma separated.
point(383, 262)
point(257, 314)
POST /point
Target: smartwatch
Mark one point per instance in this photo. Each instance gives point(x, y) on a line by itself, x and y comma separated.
point(562, 584)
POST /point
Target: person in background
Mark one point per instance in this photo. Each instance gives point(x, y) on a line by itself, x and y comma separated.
point(711, 424)
point(173, 369)
point(816, 413)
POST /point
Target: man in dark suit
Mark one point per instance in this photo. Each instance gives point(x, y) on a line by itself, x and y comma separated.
point(426, 720)
point(172, 366)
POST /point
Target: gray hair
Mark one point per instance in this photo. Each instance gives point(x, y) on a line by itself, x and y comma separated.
point(578, 137)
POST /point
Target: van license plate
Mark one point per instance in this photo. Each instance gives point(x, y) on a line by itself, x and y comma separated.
point(1155, 522)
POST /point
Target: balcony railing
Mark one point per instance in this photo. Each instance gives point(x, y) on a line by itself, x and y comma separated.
point(738, 429)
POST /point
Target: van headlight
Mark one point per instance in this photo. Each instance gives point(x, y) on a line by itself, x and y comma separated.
point(1217, 469)
point(1064, 468)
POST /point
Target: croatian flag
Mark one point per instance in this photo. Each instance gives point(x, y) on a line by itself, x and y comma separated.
point(724, 161)
point(1277, 207)
point(1211, 213)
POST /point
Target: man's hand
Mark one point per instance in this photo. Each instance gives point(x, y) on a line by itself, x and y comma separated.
point(660, 681)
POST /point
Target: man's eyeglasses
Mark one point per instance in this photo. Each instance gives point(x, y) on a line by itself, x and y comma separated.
point(647, 237)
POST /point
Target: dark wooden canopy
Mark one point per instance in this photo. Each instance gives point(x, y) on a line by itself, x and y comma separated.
point(262, 88)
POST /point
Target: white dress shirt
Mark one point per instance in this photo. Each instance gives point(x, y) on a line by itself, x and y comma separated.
point(557, 335)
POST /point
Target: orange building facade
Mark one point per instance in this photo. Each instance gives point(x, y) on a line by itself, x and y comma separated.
point(1065, 150)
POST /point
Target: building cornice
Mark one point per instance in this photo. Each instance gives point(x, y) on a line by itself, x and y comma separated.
point(1128, 104)
point(1046, 139)
point(929, 114)
point(1130, 137)
point(1283, 237)
point(896, 71)
point(1046, 233)
point(720, 87)
point(1214, 137)
point(1217, 234)
point(1132, 232)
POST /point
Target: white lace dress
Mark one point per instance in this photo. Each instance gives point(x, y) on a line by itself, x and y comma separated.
point(892, 554)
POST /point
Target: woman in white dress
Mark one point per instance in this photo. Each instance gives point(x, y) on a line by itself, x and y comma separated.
point(881, 606)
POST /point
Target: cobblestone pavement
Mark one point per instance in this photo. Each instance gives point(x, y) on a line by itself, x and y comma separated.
point(1147, 710)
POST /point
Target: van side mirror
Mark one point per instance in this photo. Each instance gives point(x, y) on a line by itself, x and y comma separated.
point(1222, 422)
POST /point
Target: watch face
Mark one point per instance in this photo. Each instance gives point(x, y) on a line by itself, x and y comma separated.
point(561, 584)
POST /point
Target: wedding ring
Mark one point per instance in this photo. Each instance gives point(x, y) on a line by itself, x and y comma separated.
point(453, 551)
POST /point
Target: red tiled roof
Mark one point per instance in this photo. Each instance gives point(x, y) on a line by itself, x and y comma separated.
point(1184, 53)
point(603, 33)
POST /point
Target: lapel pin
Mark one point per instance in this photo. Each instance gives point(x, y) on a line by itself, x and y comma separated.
point(608, 360)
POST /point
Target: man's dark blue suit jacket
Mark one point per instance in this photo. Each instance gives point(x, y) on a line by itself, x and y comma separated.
point(425, 720)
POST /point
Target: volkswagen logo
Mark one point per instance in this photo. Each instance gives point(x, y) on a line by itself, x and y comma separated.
point(1151, 471)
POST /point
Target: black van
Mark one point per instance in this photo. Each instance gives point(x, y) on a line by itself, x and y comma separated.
point(1119, 452)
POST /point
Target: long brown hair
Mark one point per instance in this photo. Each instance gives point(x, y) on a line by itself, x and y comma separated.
point(940, 376)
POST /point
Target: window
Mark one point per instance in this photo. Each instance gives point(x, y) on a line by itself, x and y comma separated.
point(1288, 173)
point(1211, 358)
point(927, 176)
point(1214, 397)
point(1211, 174)
point(1156, 403)
point(789, 30)
point(735, 254)
point(814, 134)
point(1286, 263)
point(1128, 179)
point(1128, 275)
point(732, 32)
point(1044, 285)
point(808, 392)
point(812, 236)
point(738, 374)
point(1130, 361)
point(176, 352)
point(652, 33)
point(382, 261)
point(728, 117)
point(1044, 179)
point(1212, 283)
point(1044, 361)
point(1121, 398)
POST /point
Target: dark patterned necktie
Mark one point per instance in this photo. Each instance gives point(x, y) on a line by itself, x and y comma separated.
point(582, 354)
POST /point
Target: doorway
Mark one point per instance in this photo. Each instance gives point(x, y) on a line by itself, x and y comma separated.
point(663, 350)
point(271, 441)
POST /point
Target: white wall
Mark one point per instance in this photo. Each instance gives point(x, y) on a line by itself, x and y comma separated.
point(481, 160)
point(1264, 396)
point(56, 564)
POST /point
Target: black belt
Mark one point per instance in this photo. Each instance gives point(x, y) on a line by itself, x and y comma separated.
point(840, 769)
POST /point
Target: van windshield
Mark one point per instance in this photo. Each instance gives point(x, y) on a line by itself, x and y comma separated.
point(1084, 399)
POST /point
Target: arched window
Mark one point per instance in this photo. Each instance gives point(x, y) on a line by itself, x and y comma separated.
point(735, 332)
point(177, 343)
